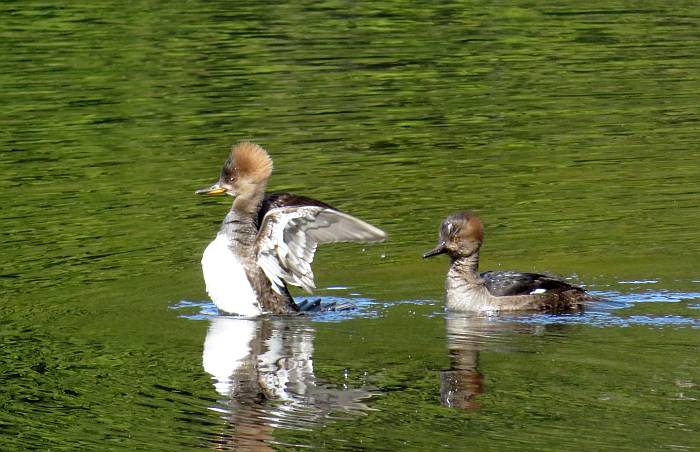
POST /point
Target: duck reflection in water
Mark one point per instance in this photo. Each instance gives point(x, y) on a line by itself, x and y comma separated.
point(263, 369)
point(467, 335)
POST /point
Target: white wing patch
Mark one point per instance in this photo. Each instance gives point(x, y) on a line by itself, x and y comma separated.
point(538, 291)
point(288, 238)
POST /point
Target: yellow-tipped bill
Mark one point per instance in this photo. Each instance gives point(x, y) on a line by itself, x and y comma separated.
point(215, 189)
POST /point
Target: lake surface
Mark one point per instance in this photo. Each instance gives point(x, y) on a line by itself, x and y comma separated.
point(573, 130)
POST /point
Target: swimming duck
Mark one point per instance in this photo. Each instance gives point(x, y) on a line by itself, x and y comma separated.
point(268, 240)
point(461, 236)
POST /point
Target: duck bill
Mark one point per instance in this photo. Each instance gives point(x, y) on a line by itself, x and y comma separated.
point(440, 249)
point(214, 190)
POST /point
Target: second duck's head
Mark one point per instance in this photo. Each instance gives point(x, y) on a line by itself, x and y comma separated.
point(246, 170)
point(461, 235)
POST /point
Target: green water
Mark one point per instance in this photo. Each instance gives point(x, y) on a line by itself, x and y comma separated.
point(573, 129)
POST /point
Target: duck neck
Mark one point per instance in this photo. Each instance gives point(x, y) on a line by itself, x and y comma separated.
point(465, 268)
point(464, 286)
point(250, 197)
point(240, 223)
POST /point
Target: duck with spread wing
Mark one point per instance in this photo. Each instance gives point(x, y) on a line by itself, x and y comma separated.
point(268, 240)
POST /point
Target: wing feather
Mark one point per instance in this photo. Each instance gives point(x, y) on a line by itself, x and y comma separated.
point(505, 283)
point(288, 238)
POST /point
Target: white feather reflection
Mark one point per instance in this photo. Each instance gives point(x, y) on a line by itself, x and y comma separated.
point(264, 370)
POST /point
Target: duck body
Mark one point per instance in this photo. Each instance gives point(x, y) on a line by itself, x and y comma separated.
point(512, 291)
point(233, 278)
point(268, 239)
point(461, 236)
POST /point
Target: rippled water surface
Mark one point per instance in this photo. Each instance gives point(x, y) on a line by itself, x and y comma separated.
point(573, 130)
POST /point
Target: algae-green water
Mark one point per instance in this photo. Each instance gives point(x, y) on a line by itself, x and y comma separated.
point(572, 129)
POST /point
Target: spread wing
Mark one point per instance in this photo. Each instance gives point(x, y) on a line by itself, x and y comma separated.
point(288, 237)
point(505, 283)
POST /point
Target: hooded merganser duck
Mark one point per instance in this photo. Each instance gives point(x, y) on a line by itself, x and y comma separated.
point(461, 236)
point(268, 240)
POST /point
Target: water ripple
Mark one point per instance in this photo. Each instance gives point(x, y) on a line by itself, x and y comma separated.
point(361, 308)
point(612, 311)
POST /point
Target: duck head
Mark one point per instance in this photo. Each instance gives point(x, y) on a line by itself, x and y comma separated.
point(461, 235)
point(246, 170)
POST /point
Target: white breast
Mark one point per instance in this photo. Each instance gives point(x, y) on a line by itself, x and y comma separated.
point(226, 280)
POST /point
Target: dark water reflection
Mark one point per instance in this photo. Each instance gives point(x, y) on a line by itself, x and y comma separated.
point(469, 334)
point(463, 382)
